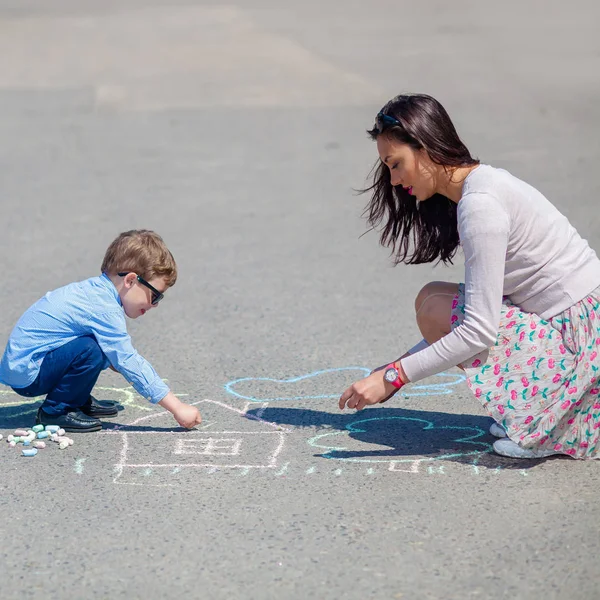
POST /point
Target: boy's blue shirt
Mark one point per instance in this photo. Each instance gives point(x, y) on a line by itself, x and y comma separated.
point(90, 307)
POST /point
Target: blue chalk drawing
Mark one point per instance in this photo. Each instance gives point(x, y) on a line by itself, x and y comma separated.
point(433, 389)
point(230, 385)
point(468, 436)
point(241, 388)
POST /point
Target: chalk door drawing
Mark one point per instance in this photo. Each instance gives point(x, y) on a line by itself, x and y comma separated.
point(253, 444)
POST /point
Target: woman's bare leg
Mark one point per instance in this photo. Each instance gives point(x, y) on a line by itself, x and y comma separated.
point(433, 306)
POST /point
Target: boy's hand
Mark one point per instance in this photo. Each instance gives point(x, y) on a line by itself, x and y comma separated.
point(187, 416)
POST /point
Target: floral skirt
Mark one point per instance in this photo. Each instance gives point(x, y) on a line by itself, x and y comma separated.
point(541, 381)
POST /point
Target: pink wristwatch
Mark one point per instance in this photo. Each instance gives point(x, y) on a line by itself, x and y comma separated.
point(391, 375)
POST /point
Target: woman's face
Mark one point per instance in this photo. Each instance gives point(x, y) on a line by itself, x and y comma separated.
point(412, 169)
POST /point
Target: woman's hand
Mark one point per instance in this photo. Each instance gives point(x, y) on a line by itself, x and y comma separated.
point(370, 390)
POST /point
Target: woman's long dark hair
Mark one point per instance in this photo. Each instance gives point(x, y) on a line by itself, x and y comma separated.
point(423, 123)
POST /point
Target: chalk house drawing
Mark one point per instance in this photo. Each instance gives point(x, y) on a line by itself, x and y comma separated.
point(254, 444)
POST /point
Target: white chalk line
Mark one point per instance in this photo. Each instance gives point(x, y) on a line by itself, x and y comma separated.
point(195, 465)
point(189, 432)
point(242, 412)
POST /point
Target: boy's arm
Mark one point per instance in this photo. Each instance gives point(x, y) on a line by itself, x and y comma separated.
point(110, 331)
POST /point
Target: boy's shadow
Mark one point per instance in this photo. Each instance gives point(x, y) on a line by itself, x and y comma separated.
point(408, 435)
point(13, 416)
point(22, 415)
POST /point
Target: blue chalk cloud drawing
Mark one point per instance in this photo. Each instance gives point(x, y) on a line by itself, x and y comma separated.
point(355, 443)
point(298, 388)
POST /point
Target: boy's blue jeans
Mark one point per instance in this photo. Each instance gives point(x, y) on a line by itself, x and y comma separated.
point(67, 375)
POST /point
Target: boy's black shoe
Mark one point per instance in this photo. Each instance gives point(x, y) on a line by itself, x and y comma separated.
point(99, 408)
point(74, 421)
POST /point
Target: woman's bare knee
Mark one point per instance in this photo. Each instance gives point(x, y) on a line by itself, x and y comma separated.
point(432, 289)
point(434, 309)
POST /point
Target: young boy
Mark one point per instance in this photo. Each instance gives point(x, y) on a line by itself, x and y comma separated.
point(62, 343)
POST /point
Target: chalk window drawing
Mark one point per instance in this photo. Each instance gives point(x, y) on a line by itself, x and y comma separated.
point(208, 446)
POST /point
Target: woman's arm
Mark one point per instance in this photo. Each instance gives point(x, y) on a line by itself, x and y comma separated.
point(484, 230)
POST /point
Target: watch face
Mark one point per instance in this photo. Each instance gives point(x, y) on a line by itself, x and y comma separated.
point(391, 375)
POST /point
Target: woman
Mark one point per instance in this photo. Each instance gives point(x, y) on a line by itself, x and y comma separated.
point(525, 325)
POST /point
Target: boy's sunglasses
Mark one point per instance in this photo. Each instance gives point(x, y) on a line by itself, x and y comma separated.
point(156, 295)
point(382, 122)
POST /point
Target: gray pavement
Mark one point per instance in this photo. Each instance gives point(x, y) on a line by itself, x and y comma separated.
point(237, 132)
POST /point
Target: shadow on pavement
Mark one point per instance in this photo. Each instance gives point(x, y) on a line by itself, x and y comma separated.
point(409, 435)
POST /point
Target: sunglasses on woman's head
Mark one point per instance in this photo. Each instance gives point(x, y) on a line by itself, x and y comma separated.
point(382, 122)
point(156, 295)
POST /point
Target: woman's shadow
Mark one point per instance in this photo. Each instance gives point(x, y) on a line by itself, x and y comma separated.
point(386, 435)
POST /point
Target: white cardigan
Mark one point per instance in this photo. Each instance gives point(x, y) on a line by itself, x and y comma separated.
point(516, 244)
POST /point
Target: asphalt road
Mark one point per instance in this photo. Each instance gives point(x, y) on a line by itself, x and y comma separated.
point(237, 131)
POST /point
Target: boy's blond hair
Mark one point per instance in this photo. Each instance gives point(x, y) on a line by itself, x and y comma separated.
point(143, 252)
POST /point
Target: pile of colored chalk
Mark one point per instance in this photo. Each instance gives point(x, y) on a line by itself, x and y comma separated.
point(32, 438)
